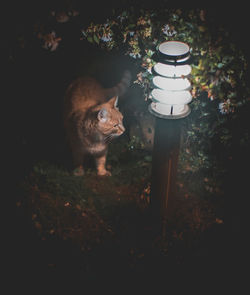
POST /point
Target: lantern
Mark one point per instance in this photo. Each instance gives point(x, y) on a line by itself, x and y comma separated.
point(171, 94)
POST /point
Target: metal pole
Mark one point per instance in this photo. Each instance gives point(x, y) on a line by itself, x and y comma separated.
point(164, 169)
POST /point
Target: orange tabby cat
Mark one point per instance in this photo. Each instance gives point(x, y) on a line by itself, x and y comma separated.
point(92, 120)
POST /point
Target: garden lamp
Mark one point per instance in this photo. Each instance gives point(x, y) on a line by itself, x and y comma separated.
point(171, 94)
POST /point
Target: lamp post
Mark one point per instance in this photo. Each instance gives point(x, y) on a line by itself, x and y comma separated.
point(170, 96)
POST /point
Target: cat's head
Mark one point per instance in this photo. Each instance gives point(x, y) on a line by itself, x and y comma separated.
point(110, 119)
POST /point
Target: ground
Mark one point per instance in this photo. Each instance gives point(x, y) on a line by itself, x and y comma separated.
point(92, 228)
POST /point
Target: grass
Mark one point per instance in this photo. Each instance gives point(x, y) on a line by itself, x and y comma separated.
point(101, 225)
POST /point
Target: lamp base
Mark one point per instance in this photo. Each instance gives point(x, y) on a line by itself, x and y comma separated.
point(152, 109)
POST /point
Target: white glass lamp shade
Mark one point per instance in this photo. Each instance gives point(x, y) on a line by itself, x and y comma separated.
point(171, 93)
point(169, 112)
point(171, 84)
point(170, 97)
point(172, 71)
point(174, 51)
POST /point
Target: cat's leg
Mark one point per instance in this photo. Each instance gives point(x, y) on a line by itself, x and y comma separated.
point(100, 165)
point(78, 156)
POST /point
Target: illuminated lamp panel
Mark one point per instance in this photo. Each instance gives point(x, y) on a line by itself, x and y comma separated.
point(171, 93)
point(172, 71)
point(171, 84)
point(165, 109)
point(174, 48)
point(171, 97)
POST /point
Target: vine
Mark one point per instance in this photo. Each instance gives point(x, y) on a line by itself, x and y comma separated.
point(218, 65)
point(218, 77)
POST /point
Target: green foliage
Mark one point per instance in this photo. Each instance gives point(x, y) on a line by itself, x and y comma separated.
point(219, 84)
point(58, 181)
point(66, 205)
point(217, 63)
point(130, 163)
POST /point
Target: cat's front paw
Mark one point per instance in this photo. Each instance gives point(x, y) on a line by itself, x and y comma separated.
point(104, 173)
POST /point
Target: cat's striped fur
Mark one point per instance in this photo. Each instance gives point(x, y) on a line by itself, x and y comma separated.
point(92, 119)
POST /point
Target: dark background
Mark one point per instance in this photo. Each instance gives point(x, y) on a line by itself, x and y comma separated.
point(25, 88)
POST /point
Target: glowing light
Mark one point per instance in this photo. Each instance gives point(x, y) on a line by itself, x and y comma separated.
point(174, 48)
point(171, 84)
point(163, 109)
point(170, 71)
point(171, 95)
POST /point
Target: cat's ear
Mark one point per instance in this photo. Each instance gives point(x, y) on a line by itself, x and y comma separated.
point(102, 115)
point(114, 102)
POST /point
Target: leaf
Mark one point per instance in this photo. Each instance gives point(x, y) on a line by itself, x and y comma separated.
point(205, 114)
point(90, 39)
point(130, 26)
point(96, 39)
point(148, 158)
point(124, 13)
point(202, 29)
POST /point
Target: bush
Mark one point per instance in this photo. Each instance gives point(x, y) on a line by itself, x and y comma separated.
point(219, 83)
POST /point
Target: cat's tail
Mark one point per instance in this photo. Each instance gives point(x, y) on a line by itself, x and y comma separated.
point(120, 88)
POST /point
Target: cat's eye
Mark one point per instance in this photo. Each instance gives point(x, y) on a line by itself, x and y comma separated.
point(116, 125)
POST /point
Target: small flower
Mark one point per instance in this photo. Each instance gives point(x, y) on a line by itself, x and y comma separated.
point(149, 70)
point(221, 108)
point(169, 31)
point(84, 33)
point(139, 77)
point(106, 37)
point(51, 42)
point(135, 55)
point(225, 107)
point(121, 18)
point(147, 32)
point(141, 21)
